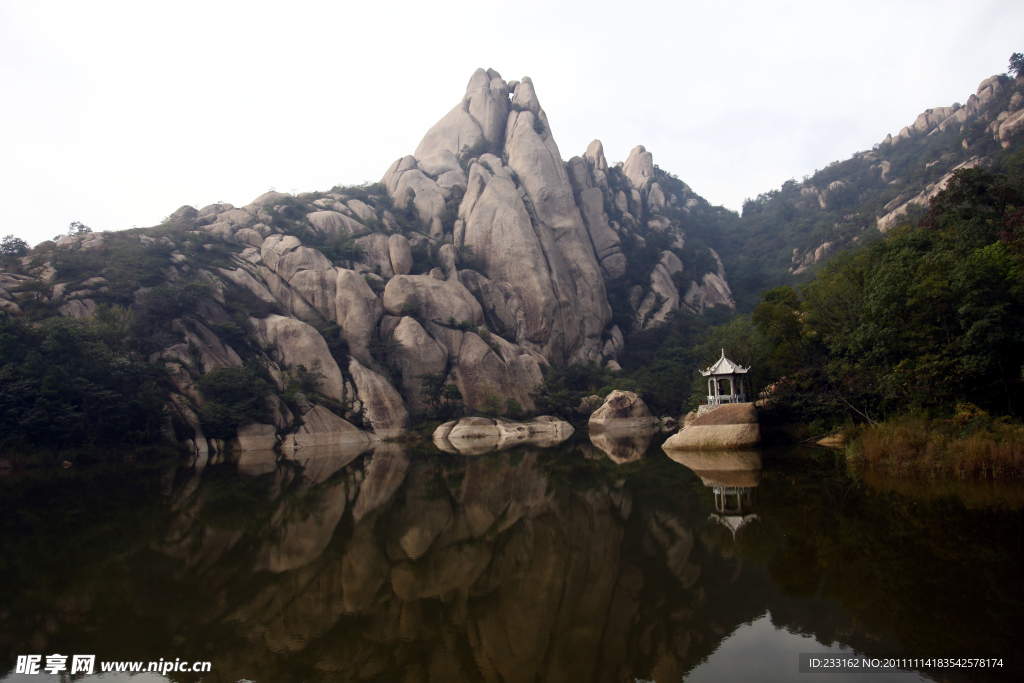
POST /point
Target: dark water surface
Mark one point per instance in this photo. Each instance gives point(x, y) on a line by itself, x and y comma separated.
point(584, 562)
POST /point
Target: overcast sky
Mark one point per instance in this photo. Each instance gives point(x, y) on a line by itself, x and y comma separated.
point(117, 113)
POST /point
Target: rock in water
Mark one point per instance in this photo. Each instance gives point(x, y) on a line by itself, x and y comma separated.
point(733, 425)
point(321, 427)
point(622, 410)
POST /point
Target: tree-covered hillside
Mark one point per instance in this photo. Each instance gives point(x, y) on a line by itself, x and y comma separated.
point(784, 235)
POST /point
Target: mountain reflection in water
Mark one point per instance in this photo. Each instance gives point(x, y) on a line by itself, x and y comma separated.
point(603, 561)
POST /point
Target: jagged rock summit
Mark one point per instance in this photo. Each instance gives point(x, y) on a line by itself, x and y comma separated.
point(543, 243)
point(477, 260)
point(495, 164)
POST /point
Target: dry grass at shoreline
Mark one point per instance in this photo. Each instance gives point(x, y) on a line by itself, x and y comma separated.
point(971, 445)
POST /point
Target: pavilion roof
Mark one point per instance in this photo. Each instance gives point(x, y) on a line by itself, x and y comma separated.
point(724, 366)
point(733, 522)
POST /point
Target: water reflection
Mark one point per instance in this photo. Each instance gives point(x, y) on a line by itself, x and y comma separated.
point(733, 476)
point(520, 565)
point(476, 435)
point(622, 446)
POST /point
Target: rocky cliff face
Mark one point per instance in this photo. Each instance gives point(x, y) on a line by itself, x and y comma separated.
point(480, 259)
point(886, 186)
point(542, 242)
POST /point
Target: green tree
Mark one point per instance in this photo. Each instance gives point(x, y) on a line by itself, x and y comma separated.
point(444, 401)
point(67, 383)
point(1016, 64)
point(12, 247)
point(74, 229)
point(234, 396)
point(930, 316)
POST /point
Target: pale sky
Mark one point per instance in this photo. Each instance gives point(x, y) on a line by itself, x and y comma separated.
point(117, 113)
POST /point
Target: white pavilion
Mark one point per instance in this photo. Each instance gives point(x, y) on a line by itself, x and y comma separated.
point(724, 370)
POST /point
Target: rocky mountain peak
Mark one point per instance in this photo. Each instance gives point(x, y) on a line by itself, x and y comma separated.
point(477, 261)
point(639, 167)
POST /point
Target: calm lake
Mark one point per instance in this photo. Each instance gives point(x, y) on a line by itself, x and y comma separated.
point(604, 561)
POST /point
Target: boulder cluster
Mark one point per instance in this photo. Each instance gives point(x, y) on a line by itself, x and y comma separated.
point(523, 247)
point(1002, 123)
point(907, 170)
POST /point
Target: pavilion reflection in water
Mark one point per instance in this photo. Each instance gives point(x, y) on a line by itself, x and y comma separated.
point(733, 477)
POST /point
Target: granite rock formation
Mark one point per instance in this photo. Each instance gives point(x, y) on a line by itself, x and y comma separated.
point(479, 259)
point(730, 426)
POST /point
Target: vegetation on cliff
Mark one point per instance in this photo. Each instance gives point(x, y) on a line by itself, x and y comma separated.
point(66, 384)
point(489, 284)
point(926, 325)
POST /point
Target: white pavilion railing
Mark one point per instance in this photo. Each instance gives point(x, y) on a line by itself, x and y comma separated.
point(726, 398)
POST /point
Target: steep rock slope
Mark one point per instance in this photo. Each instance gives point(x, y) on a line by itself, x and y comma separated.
point(476, 261)
point(790, 231)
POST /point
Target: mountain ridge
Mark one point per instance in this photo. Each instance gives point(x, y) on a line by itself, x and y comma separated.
point(784, 235)
point(474, 265)
point(471, 267)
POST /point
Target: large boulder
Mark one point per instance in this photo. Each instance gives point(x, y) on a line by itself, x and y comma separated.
point(401, 254)
point(622, 410)
point(289, 298)
point(382, 405)
point(76, 308)
point(478, 121)
point(321, 427)
point(713, 290)
point(639, 167)
point(257, 437)
point(663, 289)
point(428, 199)
point(417, 355)
point(431, 299)
point(330, 223)
point(496, 371)
point(1010, 126)
point(270, 199)
point(297, 343)
point(507, 250)
point(244, 279)
point(231, 220)
point(504, 310)
point(213, 353)
point(286, 256)
point(341, 295)
point(214, 210)
point(474, 428)
point(377, 253)
point(595, 156)
point(439, 163)
point(733, 425)
point(607, 244)
point(184, 214)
